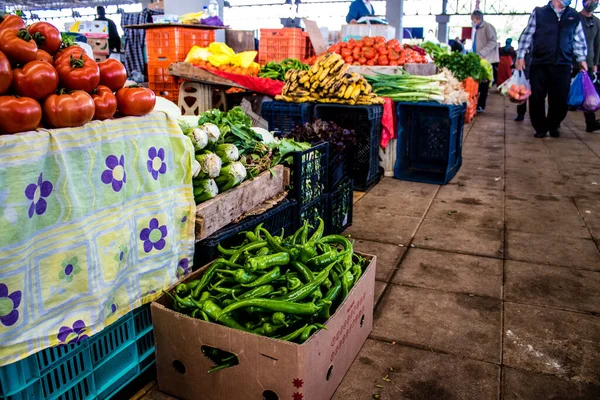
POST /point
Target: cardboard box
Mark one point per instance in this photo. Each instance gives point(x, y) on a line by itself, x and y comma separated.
point(100, 57)
point(99, 46)
point(88, 27)
point(157, 6)
point(268, 368)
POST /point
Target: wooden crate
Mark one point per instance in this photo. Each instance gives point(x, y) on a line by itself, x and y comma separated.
point(216, 213)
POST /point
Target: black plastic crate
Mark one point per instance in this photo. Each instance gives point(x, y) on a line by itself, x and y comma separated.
point(340, 167)
point(283, 116)
point(429, 142)
point(311, 213)
point(366, 122)
point(308, 180)
point(282, 216)
point(340, 205)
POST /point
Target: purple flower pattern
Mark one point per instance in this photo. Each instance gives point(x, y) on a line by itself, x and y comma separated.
point(74, 334)
point(156, 163)
point(153, 236)
point(9, 302)
point(183, 267)
point(115, 174)
point(36, 193)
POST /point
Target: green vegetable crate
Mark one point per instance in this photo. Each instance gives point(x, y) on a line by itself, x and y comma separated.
point(268, 368)
point(94, 368)
point(366, 122)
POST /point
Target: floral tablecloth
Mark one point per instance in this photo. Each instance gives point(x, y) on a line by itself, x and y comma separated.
point(94, 221)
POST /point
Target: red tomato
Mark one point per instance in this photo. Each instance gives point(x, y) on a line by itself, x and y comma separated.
point(17, 45)
point(346, 53)
point(19, 114)
point(362, 60)
point(112, 74)
point(46, 36)
point(105, 102)
point(44, 56)
point(392, 43)
point(394, 63)
point(393, 55)
point(369, 53)
point(81, 73)
point(383, 61)
point(73, 50)
point(371, 62)
point(379, 39)
point(135, 101)
point(6, 74)
point(349, 60)
point(382, 50)
point(343, 45)
point(68, 109)
point(12, 22)
point(368, 41)
point(37, 79)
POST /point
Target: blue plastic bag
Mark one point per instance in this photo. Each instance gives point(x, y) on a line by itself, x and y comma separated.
point(591, 100)
point(576, 95)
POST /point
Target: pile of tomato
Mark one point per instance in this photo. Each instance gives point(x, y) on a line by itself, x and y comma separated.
point(378, 51)
point(44, 82)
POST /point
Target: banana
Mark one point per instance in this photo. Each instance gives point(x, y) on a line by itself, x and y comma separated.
point(324, 73)
point(342, 71)
point(293, 86)
point(314, 85)
point(336, 67)
point(315, 67)
point(330, 82)
point(326, 81)
point(336, 86)
point(349, 91)
point(335, 57)
point(340, 93)
point(305, 78)
point(355, 92)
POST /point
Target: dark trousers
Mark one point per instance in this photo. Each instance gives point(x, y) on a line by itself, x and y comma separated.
point(590, 118)
point(484, 86)
point(552, 81)
point(522, 109)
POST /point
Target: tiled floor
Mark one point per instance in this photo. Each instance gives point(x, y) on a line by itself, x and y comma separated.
point(489, 287)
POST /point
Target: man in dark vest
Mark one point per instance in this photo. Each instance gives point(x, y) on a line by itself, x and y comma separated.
point(554, 35)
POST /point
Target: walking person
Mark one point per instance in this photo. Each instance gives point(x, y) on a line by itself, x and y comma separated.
point(522, 108)
point(554, 35)
point(591, 29)
point(508, 55)
point(485, 43)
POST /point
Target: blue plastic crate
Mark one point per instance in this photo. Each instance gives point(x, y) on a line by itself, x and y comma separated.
point(283, 117)
point(366, 122)
point(309, 174)
point(282, 216)
point(429, 142)
point(95, 368)
point(340, 167)
point(340, 206)
point(312, 212)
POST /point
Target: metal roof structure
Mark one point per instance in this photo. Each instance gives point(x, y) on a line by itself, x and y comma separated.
point(33, 5)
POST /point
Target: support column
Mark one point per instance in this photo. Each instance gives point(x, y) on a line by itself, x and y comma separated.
point(394, 11)
point(442, 21)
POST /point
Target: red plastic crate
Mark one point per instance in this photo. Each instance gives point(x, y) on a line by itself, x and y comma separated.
point(279, 44)
point(172, 44)
point(161, 82)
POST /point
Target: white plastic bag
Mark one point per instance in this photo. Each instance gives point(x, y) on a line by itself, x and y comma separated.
point(517, 88)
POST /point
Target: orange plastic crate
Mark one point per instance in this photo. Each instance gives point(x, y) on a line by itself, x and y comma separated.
point(279, 44)
point(471, 86)
point(161, 82)
point(471, 110)
point(172, 44)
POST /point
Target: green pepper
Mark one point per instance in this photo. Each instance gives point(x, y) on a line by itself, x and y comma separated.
point(278, 318)
point(303, 271)
point(264, 262)
point(264, 279)
point(293, 335)
point(256, 310)
point(240, 276)
point(281, 291)
point(224, 251)
point(249, 247)
point(293, 283)
point(229, 291)
point(216, 313)
point(251, 236)
point(316, 236)
point(331, 295)
point(306, 289)
point(260, 291)
point(316, 295)
point(263, 252)
point(345, 243)
point(208, 275)
point(357, 272)
point(274, 305)
point(182, 289)
point(319, 262)
point(181, 303)
point(347, 282)
point(307, 332)
point(293, 252)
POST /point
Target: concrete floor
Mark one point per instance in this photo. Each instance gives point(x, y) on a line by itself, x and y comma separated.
point(489, 287)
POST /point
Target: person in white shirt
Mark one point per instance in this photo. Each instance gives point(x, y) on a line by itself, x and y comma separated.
point(359, 9)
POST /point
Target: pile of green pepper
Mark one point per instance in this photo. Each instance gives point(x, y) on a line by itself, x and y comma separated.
point(274, 70)
point(285, 288)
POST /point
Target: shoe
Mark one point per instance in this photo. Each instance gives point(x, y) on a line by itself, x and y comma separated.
point(554, 133)
point(540, 135)
point(519, 118)
point(480, 109)
point(594, 126)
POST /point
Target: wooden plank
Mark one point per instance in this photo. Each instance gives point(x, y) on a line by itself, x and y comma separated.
point(216, 213)
point(191, 72)
point(195, 26)
point(316, 37)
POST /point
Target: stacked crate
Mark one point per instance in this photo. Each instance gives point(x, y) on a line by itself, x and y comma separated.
point(167, 45)
point(472, 88)
point(279, 44)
